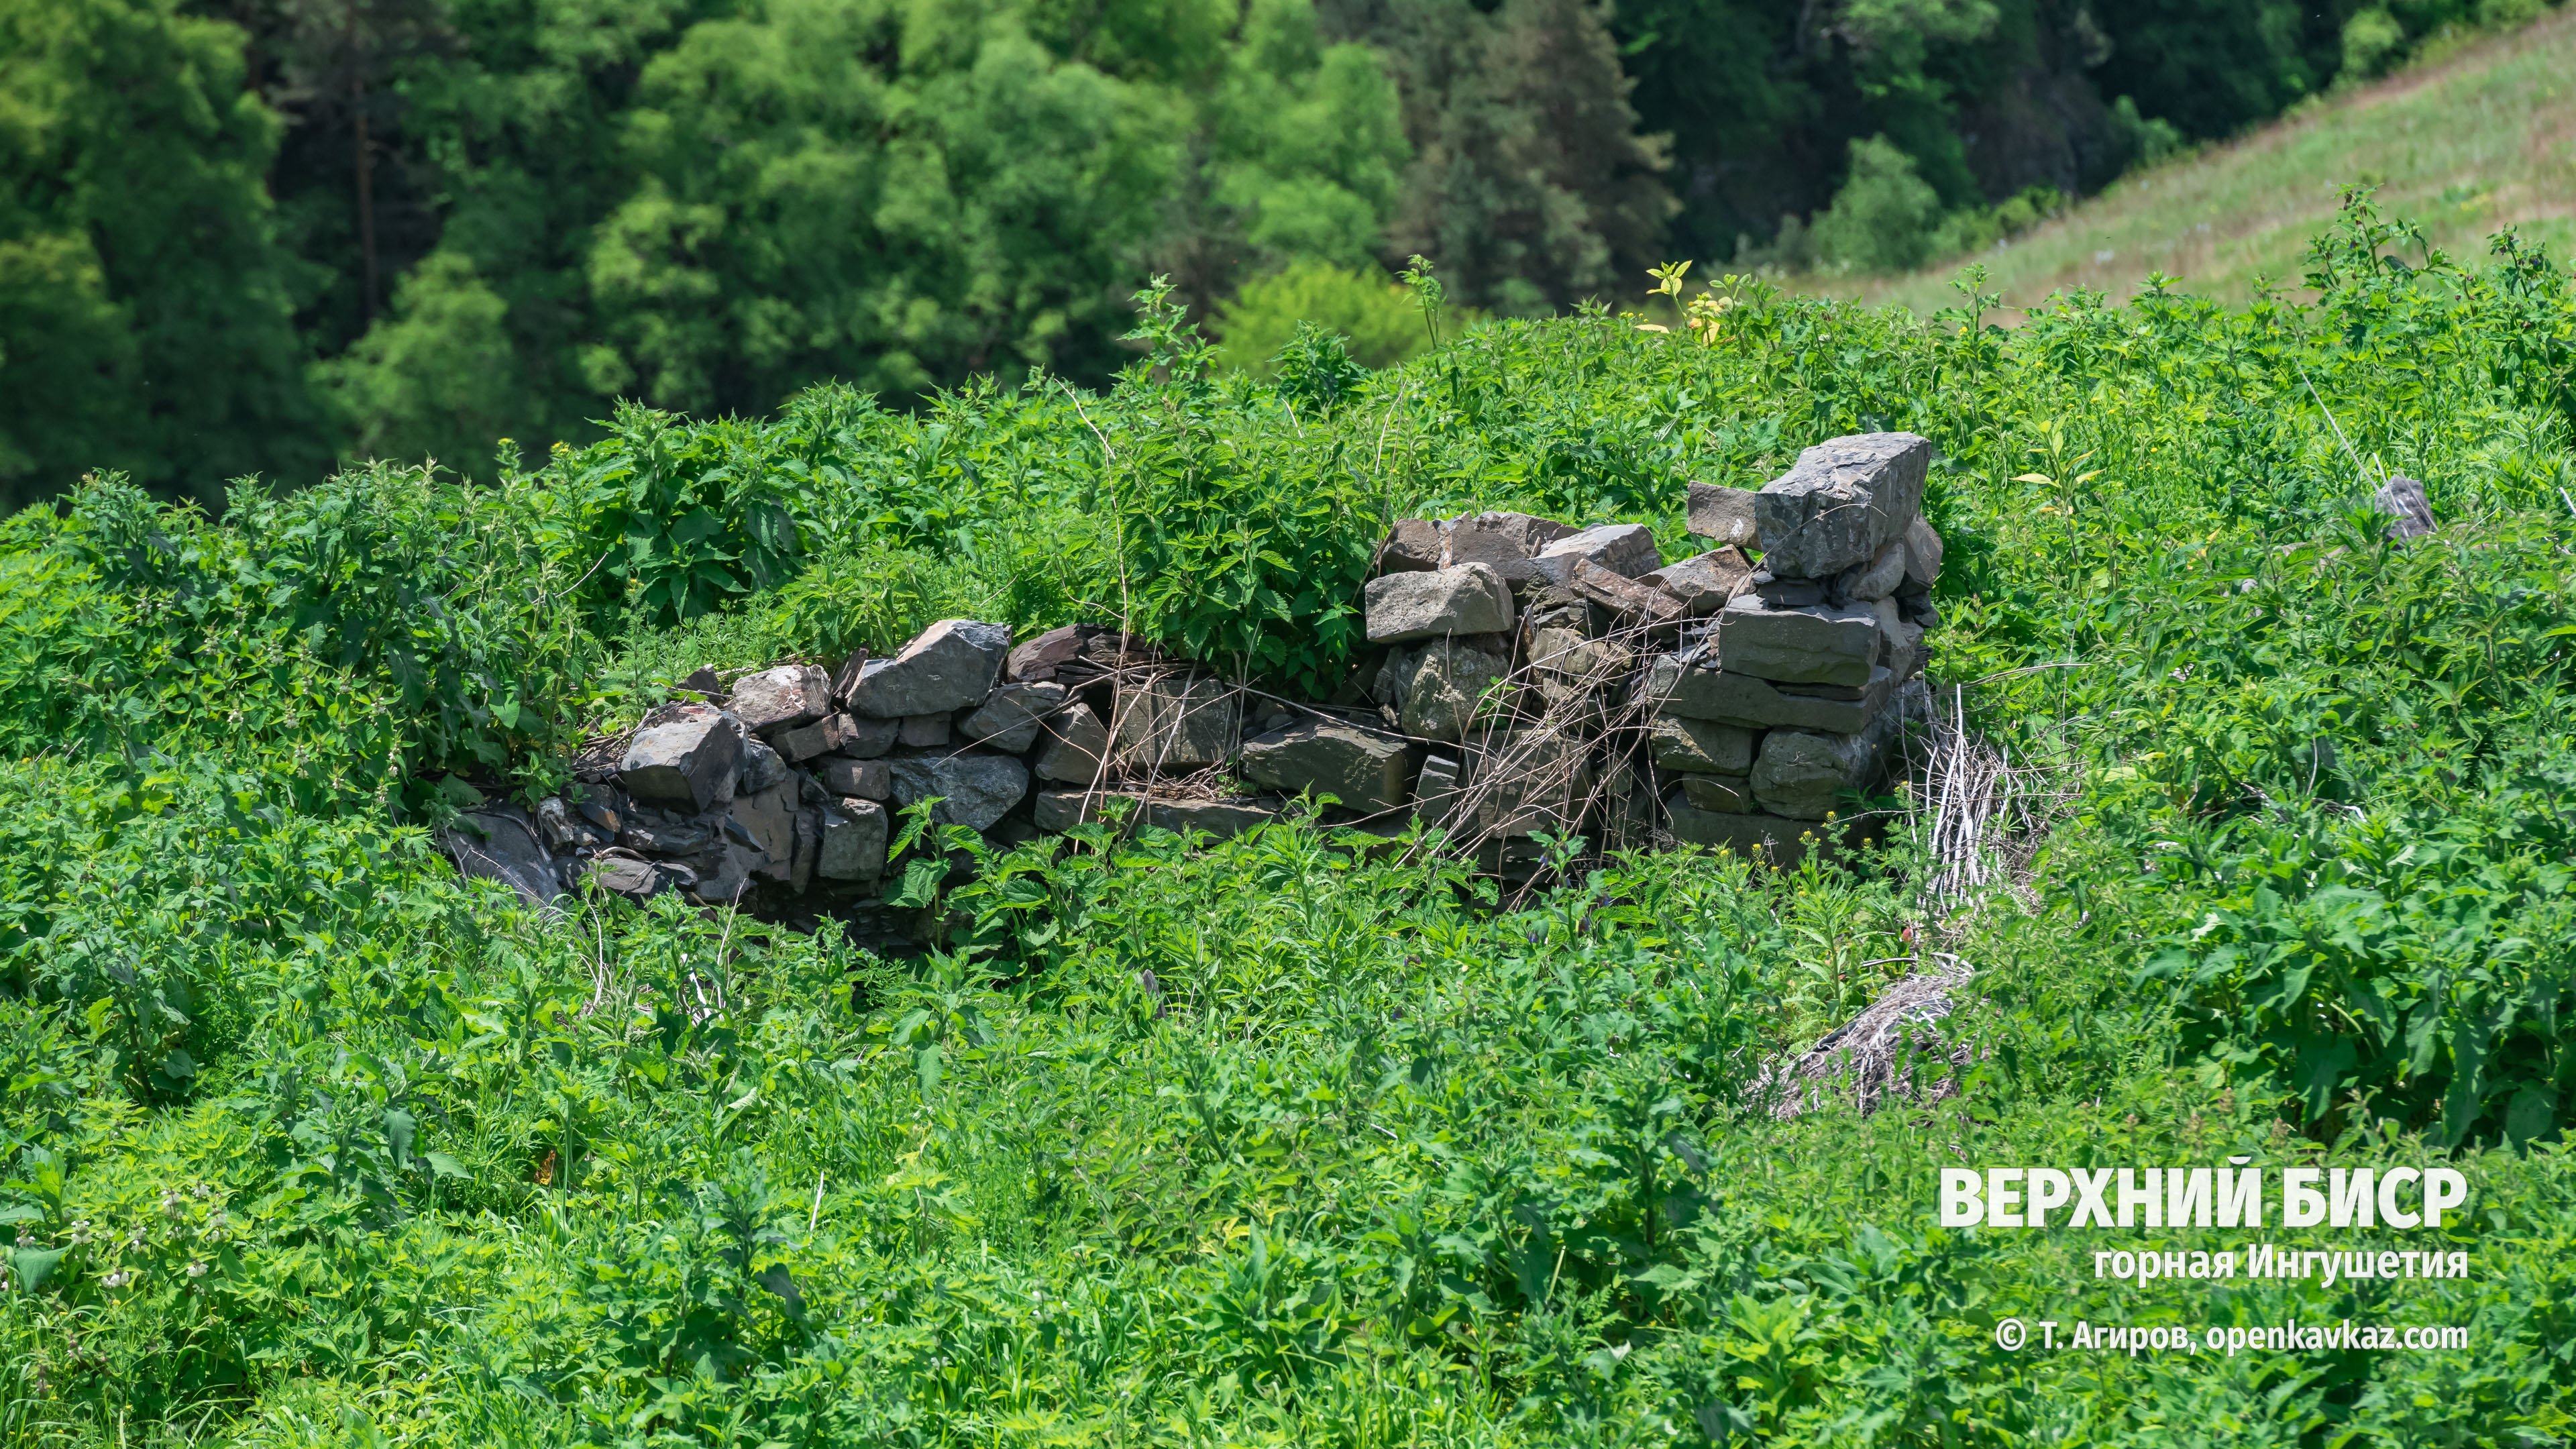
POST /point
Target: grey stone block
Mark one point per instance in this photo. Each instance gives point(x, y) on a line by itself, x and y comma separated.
point(1868, 583)
point(1843, 501)
point(1625, 549)
point(854, 841)
point(1703, 583)
point(1057, 811)
point(1723, 515)
point(1368, 771)
point(1440, 688)
point(973, 790)
point(1683, 744)
point(1468, 599)
point(1802, 775)
point(859, 779)
point(1507, 541)
point(766, 822)
point(690, 758)
point(1412, 546)
point(923, 731)
point(952, 665)
point(1009, 721)
point(1683, 689)
point(1076, 743)
point(761, 767)
point(789, 695)
point(834, 733)
point(1825, 644)
point(1181, 723)
point(1922, 553)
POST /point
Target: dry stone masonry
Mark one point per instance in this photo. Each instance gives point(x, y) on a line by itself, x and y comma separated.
point(1524, 678)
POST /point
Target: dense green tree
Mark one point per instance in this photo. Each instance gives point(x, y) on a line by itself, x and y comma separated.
point(145, 316)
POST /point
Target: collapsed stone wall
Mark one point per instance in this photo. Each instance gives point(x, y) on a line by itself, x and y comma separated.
point(1523, 677)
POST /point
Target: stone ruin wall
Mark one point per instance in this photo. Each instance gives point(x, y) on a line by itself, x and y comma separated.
point(1523, 678)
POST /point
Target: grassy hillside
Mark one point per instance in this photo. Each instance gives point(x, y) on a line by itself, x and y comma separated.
point(1280, 1141)
point(2464, 145)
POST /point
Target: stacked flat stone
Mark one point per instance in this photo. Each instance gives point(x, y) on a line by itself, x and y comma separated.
point(1797, 692)
point(1507, 656)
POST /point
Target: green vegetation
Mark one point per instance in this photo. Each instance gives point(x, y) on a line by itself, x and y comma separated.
point(1283, 1140)
point(256, 236)
point(2466, 145)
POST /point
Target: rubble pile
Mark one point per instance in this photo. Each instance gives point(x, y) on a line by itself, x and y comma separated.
point(1523, 678)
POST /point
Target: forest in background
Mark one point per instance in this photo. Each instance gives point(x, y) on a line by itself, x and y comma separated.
point(257, 237)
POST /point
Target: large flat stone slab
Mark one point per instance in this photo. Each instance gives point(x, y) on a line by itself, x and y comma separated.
point(1819, 644)
point(1703, 583)
point(1008, 723)
point(1679, 687)
point(1468, 599)
point(1723, 516)
point(973, 790)
point(1768, 838)
point(1057, 811)
point(781, 698)
point(1180, 723)
point(689, 757)
point(1368, 771)
point(1843, 501)
point(1803, 776)
point(1696, 745)
point(1625, 549)
point(952, 665)
point(1076, 743)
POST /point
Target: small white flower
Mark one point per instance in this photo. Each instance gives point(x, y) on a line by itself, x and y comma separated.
point(117, 1280)
point(196, 1270)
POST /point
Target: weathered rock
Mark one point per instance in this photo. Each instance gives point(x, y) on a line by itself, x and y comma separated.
point(703, 681)
point(1725, 794)
point(1701, 746)
point(870, 738)
point(862, 779)
point(781, 698)
point(666, 839)
point(562, 831)
point(1802, 776)
point(1782, 593)
point(854, 841)
point(1779, 843)
point(1820, 645)
point(953, 664)
point(1009, 721)
point(724, 884)
point(1507, 541)
point(1367, 771)
point(2403, 498)
point(1468, 599)
point(846, 678)
point(809, 845)
point(689, 758)
point(1551, 607)
point(500, 843)
point(1723, 515)
point(624, 875)
point(1625, 549)
point(1412, 546)
point(1703, 583)
point(1628, 601)
point(1922, 553)
point(604, 806)
point(1181, 723)
point(834, 733)
point(1441, 687)
point(1841, 503)
point(1035, 661)
point(923, 731)
point(1057, 811)
point(973, 790)
point(1531, 780)
point(1568, 668)
point(1439, 790)
point(1076, 743)
point(1906, 655)
point(766, 822)
point(1678, 687)
point(761, 767)
point(1868, 583)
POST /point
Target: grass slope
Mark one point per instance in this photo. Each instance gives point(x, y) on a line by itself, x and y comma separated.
point(2465, 145)
point(1280, 1141)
